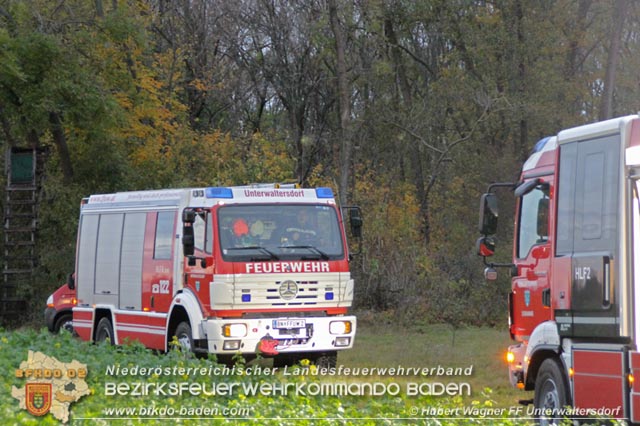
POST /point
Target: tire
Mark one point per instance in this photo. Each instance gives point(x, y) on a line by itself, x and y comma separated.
point(185, 336)
point(551, 392)
point(281, 361)
point(326, 360)
point(187, 345)
point(64, 324)
point(104, 331)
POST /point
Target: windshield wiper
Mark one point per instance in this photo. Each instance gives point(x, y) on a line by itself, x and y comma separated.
point(272, 255)
point(323, 255)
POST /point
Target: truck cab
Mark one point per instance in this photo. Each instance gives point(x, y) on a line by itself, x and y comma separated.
point(574, 271)
point(58, 314)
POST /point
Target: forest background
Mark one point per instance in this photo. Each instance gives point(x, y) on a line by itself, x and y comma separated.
point(408, 109)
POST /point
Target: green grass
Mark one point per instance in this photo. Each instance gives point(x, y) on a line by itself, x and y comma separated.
point(437, 345)
point(423, 347)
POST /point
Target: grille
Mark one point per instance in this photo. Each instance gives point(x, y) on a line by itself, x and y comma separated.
point(309, 293)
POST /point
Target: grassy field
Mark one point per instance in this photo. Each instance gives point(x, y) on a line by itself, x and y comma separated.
point(437, 345)
point(429, 346)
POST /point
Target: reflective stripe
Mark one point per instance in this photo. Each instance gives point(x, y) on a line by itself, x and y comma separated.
point(587, 320)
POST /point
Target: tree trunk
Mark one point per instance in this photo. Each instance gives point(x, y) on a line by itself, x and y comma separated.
point(613, 57)
point(523, 151)
point(344, 103)
point(578, 26)
point(99, 9)
point(60, 141)
point(415, 152)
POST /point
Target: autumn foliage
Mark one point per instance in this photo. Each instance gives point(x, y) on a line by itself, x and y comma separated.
point(408, 109)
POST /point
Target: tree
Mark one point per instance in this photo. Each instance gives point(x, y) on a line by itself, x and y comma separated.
point(613, 58)
point(344, 101)
point(407, 108)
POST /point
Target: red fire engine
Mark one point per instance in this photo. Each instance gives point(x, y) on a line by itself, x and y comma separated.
point(58, 313)
point(227, 270)
point(576, 263)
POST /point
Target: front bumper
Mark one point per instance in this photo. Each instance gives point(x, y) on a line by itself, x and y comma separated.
point(517, 365)
point(283, 335)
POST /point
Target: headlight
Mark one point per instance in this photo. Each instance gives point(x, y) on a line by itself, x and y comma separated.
point(231, 345)
point(234, 330)
point(50, 301)
point(340, 327)
point(343, 341)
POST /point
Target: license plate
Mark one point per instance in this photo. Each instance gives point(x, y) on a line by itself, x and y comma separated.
point(289, 323)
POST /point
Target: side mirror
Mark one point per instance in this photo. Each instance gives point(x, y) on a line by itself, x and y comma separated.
point(525, 187)
point(485, 246)
point(490, 274)
point(355, 221)
point(543, 218)
point(71, 281)
point(188, 216)
point(188, 240)
point(488, 214)
point(193, 261)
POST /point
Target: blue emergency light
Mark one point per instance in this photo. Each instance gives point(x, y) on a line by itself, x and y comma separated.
point(539, 146)
point(324, 192)
point(219, 192)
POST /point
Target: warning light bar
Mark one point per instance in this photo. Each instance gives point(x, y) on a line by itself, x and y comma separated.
point(324, 192)
point(218, 192)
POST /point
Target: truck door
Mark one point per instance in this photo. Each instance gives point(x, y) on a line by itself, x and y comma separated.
point(530, 296)
point(588, 207)
point(157, 281)
point(198, 277)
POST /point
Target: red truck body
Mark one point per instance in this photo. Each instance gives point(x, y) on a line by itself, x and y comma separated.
point(226, 270)
point(575, 286)
point(59, 311)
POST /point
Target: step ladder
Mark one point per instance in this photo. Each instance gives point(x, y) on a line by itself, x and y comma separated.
point(23, 167)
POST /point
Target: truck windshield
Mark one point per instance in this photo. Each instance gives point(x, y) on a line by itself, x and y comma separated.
point(279, 232)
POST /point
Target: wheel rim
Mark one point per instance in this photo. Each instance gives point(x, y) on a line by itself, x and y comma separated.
point(550, 402)
point(551, 397)
point(67, 326)
point(185, 342)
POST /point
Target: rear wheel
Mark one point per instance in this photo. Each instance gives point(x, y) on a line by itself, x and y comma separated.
point(104, 331)
point(552, 392)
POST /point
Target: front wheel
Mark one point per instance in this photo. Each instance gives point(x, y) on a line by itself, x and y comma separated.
point(281, 361)
point(552, 392)
point(64, 323)
point(326, 360)
point(186, 344)
point(184, 336)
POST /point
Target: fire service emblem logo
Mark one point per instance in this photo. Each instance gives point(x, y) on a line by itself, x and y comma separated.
point(288, 290)
point(51, 386)
point(38, 398)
